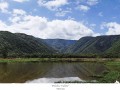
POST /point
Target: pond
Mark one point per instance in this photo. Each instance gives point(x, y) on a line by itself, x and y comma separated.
point(44, 72)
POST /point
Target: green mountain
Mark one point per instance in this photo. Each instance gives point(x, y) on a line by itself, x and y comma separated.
point(59, 44)
point(115, 49)
point(96, 45)
point(20, 44)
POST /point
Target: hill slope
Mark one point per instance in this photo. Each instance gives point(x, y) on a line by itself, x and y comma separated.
point(59, 44)
point(19, 44)
point(96, 45)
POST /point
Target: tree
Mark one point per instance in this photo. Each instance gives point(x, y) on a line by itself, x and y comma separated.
point(4, 52)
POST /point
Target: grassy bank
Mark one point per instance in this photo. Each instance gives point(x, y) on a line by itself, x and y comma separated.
point(60, 60)
point(113, 74)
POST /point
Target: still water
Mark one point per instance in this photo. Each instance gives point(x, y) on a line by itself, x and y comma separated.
point(40, 72)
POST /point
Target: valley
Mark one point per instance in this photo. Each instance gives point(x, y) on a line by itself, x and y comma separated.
point(44, 58)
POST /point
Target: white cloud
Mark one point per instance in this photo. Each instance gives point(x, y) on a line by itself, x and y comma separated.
point(70, 18)
point(61, 13)
point(113, 28)
point(92, 2)
point(16, 19)
point(52, 4)
point(85, 5)
point(43, 28)
point(87, 2)
point(3, 7)
point(20, 1)
point(83, 8)
point(100, 14)
point(17, 15)
point(18, 12)
point(2, 25)
point(92, 26)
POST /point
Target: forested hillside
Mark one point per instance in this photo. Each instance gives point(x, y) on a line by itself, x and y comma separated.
point(96, 45)
point(22, 44)
point(19, 45)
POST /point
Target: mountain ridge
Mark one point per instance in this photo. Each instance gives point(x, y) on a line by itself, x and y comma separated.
point(59, 44)
point(23, 44)
point(19, 44)
point(95, 45)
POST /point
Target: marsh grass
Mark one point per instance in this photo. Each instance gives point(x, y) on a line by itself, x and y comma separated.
point(113, 74)
point(111, 77)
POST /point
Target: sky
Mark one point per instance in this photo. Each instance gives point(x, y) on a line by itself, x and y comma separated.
point(64, 19)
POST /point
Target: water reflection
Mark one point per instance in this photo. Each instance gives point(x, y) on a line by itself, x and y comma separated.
point(55, 80)
point(22, 72)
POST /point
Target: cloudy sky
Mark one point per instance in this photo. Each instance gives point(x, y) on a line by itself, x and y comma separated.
point(65, 19)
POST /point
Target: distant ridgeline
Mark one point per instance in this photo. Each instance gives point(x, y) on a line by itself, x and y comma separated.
point(60, 44)
point(22, 45)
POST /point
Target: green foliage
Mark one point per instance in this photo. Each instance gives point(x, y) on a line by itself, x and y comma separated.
point(20, 45)
point(79, 45)
point(102, 46)
point(115, 49)
point(4, 52)
point(111, 77)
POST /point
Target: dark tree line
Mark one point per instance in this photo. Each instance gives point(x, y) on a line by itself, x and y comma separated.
point(4, 52)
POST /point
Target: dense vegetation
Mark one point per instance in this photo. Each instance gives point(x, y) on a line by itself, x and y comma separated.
point(18, 45)
point(103, 46)
point(22, 45)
